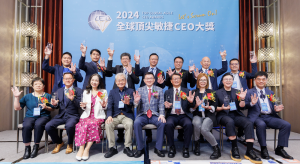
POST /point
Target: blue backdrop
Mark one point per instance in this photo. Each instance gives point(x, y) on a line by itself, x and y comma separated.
point(191, 29)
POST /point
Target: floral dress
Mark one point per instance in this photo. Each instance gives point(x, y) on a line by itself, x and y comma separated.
point(88, 129)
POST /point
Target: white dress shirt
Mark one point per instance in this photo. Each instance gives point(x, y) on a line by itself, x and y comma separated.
point(236, 78)
point(209, 83)
point(174, 94)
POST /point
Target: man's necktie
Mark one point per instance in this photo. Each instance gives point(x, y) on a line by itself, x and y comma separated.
point(149, 113)
point(151, 70)
point(177, 111)
point(262, 96)
point(205, 71)
point(65, 96)
point(125, 71)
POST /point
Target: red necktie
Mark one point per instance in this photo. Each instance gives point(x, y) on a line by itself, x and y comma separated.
point(177, 111)
point(149, 113)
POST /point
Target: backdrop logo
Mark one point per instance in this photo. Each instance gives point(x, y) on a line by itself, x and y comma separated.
point(99, 20)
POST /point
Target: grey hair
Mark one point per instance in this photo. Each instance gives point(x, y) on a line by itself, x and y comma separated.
point(119, 75)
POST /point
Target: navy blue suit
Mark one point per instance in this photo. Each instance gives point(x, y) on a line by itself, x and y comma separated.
point(142, 71)
point(262, 121)
point(113, 109)
point(217, 73)
point(68, 115)
point(184, 120)
point(247, 76)
point(57, 70)
point(90, 68)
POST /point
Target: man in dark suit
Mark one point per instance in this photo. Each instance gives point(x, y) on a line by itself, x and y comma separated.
point(212, 73)
point(58, 70)
point(68, 103)
point(93, 67)
point(159, 77)
point(262, 111)
point(119, 111)
point(178, 101)
point(230, 102)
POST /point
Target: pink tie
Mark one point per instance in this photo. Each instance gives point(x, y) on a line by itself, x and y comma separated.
point(149, 113)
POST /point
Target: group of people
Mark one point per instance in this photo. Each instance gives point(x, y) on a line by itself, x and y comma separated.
point(196, 111)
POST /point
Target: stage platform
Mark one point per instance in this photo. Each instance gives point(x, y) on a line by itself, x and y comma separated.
point(8, 154)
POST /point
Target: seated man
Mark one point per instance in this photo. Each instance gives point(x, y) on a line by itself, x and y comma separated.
point(151, 101)
point(230, 102)
point(68, 103)
point(178, 101)
point(262, 111)
point(119, 111)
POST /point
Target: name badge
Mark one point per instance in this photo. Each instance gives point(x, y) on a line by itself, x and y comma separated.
point(37, 111)
point(121, 104)
point(232, 106)
point(264, 107)
point(101, 74)
point(200, 108)
point(177, 105)
point(234, 85)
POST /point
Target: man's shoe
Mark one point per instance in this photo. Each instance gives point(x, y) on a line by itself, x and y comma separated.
point(251, 156)
point(35, 150)
point(112, 151)
point(139, 153)
point(185, 153)
point(197, 148)
point(235, 155)
point(27, 152)
point(69, 148)
point(217, 152)
point(264, 154)
point(149, 139)
point(128, 152)
point(57, 148)
point(283, 153)
point(172, 152)
point(159, 153)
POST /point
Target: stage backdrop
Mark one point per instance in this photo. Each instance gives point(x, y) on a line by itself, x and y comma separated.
point(190, 29)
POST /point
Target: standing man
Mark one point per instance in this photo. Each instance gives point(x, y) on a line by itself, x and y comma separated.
point(58, 70)
point(68, 103)
point(92, 67)
point(178, 101)
point(159, 77)
point(151, 101)
point(263, 113)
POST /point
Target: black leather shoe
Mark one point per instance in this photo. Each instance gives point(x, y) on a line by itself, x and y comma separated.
point(217, 152)
point(185, 153)
point(235, 155)
point(149, 139)
point(128, 152)
point(112, 151)
point(180, 138)
point(35, 150)
point(139, 153)
point(264, 154)
point(159, 152)
point(172, 152)
point(283, 153)
point(197, 148)
point(27, 152)
point(251, 156)
point(120, 139)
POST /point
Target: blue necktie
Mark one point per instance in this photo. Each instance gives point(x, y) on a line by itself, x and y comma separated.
point(125, 71)
point(205, 71)
point(262, 96)
point(151, 70)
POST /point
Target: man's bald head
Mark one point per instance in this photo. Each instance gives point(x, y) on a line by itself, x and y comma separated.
point(205, 62)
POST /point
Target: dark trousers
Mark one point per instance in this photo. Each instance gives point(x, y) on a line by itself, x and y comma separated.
point(69, 122)
point(143, 120)
point(265, 121)
point(38, 124)
point(232, 120)
point(183, 120)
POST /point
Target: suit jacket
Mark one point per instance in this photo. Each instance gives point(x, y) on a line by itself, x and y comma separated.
point(98, 110)
point(142, 71)
point(156, 104)
point(247, 75)
point(207, 113)
point(217, 73)
point(221, 93)
point(71, 109)
point(185, 104)
point(131, 79)
point(113, 103)
point(57, 70)
point(186, 78)
point(90, 68)
point(255, 110)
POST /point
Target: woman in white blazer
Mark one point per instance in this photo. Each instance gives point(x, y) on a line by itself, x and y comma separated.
point(88, 129)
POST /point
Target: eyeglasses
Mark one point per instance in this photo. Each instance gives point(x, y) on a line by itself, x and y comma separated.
point(68, 78)
point(176, 79)
point(149, 78)
point(228, 79)
point(124, 59)
point(261, 79)
point(236, 64)
point(121, 80)
point(178, 62)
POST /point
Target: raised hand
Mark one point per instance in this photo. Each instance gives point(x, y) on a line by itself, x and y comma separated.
point(168, 104)
point(225, 108)
point(254, 59)
point(70, 95)
point(104, 103)
point(129, 68)
point(196, 73)
point(136, 97)
point(160, 80)
point(254, 99)
point(242, 95)
point(170, 72)
point(126, 100)
point(191, 96)
point(102, 63)
point(192, 68)
point(47, 51)
point(198, 101)
point(83, 49)
point(43, 106)
point(73, 68)
point(82, 104)
point(278, 108)
point(16, 91)
point(110, 52)
point(137, 59)
point(54, 102)
point(223, 54)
